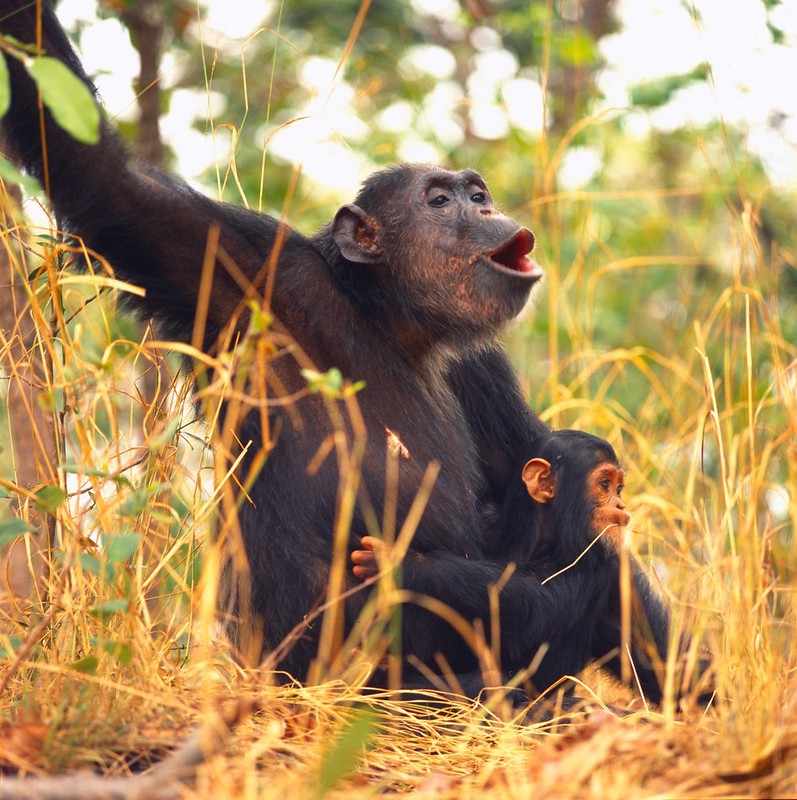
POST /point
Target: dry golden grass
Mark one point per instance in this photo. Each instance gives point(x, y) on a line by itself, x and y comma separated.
point(115, 659)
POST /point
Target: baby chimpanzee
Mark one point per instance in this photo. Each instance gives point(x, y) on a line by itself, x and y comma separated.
point(569, 493)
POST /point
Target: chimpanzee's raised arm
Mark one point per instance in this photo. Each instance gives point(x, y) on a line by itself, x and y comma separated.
point(153, 228)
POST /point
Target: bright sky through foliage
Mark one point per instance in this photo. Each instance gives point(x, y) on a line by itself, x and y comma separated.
point(753, 84)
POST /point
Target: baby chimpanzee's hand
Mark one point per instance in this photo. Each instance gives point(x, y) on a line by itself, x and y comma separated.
point(366, 561)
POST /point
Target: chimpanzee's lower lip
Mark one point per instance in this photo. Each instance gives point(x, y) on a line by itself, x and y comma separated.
point(530, 275)
point(514, 255)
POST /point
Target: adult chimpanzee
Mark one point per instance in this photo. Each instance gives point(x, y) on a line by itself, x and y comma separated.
point(404, 290)
point(564, 497)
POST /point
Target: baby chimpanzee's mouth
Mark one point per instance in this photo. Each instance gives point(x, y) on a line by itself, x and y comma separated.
point(514, 255)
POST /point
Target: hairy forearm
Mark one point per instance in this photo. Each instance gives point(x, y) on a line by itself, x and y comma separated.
point(528, 609)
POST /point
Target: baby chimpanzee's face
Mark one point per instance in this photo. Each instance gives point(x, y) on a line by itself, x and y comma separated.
point(605, 487)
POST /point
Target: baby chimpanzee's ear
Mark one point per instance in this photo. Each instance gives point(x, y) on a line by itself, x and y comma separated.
point(540, 484)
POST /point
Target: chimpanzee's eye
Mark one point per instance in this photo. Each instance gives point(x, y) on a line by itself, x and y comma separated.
point(438, 201)
point(479, 197)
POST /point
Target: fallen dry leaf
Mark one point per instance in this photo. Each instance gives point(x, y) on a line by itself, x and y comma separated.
point(21, 745)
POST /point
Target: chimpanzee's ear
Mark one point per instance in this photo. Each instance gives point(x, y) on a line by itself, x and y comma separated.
point(357, 235)
point(540, 484)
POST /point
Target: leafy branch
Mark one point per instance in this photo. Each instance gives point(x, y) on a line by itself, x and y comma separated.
point(68, 99)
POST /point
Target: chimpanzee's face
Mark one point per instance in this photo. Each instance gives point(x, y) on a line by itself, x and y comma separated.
point(462, 259)
point(439, 246)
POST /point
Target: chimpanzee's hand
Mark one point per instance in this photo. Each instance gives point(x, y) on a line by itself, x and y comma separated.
point(366, 561)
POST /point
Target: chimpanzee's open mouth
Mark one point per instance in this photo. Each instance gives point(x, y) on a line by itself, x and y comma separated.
point(514, 257)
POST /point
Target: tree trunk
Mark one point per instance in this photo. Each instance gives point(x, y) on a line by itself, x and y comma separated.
point(30, 431)
point(576, 85)
point(146, 23)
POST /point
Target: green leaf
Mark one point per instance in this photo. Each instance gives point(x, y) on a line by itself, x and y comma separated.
point(120, 546)
point(8, 650)
point(653, 94)
point(344, 754)
point(166, 436)
point(140, 498)
point(13, 528)
point(328, 383)
point(119, 651)
point(10, 174)
point(350, 391)
point(77, 469)
point(109, 608)
point(5, 88)
point(778, 35)
point(49, 498)
point(259, 321)
point(69, 99)
point(92, 564)
point(88, 664)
